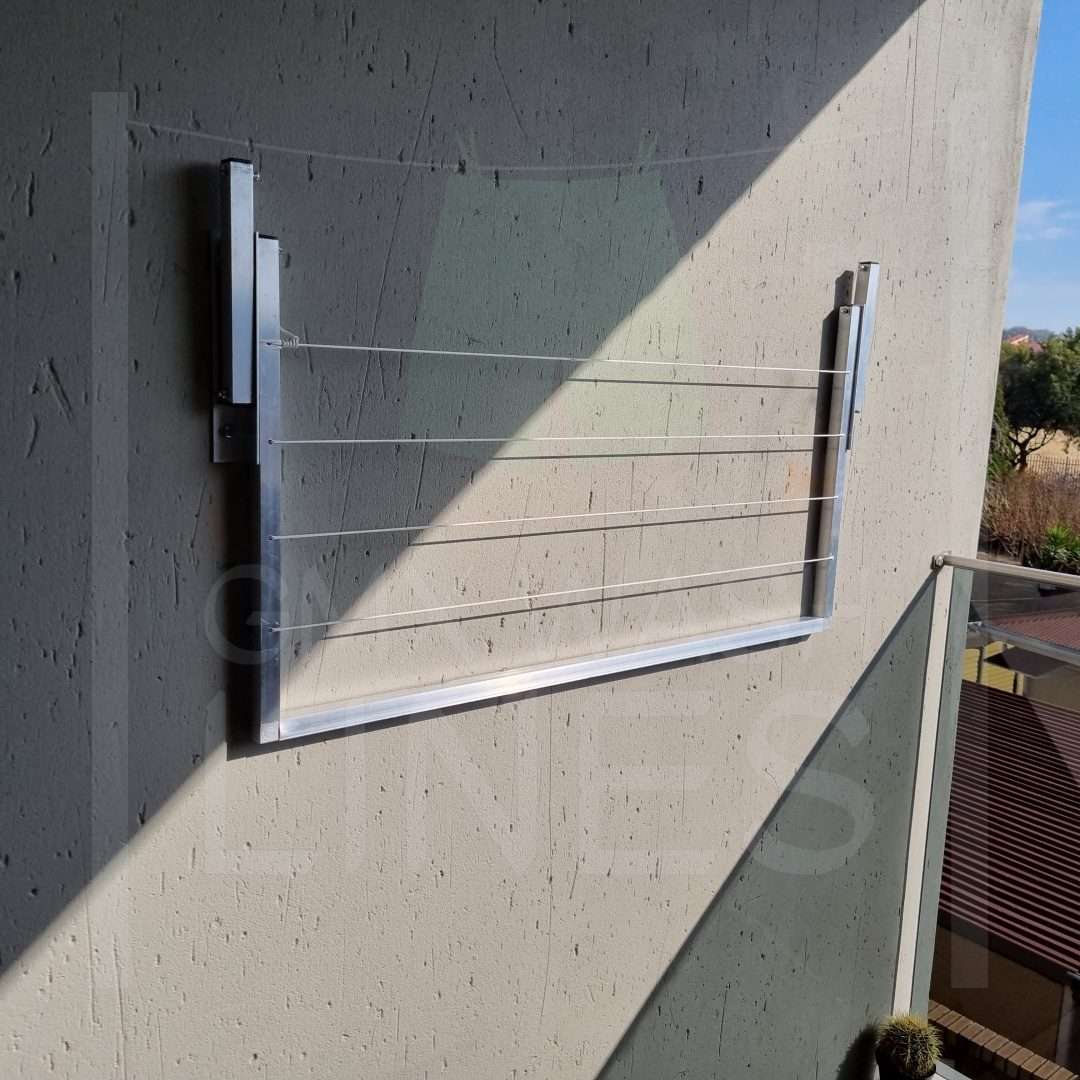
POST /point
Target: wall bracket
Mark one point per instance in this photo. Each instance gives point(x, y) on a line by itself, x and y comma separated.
point(233, 421)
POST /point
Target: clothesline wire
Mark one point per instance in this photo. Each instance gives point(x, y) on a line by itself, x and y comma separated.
point(549, 518)
point(294, 345)
point(464, 165)
point(408, 440)
point(529, 597)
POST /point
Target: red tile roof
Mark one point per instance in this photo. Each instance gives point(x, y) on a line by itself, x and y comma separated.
point(1026, 341)
point(1012, 847)
point(1055, 627)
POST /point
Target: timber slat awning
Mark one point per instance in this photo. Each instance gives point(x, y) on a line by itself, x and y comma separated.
point(1012, 848)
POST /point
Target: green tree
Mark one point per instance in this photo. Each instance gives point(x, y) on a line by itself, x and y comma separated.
point(1000, 463)
point(1040, 394)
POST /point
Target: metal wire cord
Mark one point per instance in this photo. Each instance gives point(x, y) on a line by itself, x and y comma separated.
point(433, 439)
point(542, 358)
point(549, 517)
point(548, 595)
point(455, 163)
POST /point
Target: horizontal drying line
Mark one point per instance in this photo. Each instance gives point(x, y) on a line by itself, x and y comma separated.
point(432, 439)
point(549, 517)
point(542, 358)
point(454, 164)
point(548, 595)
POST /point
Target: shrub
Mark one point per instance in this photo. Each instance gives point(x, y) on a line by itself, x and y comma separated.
point(1060, 551)
point(1021, 508)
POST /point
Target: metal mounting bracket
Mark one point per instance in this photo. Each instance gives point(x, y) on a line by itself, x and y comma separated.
point(866, 292)
point(233, 421)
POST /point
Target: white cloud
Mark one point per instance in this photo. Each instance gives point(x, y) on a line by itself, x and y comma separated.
point(1042, 219)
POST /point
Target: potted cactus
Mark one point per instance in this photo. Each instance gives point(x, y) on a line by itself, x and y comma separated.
point(908, 1048)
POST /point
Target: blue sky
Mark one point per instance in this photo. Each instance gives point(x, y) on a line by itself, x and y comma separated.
point(1044, 283)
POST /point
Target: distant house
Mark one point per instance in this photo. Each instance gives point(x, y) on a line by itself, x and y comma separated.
point(1025, 341)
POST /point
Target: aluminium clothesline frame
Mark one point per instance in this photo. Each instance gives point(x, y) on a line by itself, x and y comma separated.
point(246, 428)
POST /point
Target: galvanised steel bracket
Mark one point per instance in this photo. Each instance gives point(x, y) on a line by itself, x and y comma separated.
point(233, 257)
point(246, 411)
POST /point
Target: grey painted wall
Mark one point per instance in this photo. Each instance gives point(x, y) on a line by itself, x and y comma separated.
point(796, 954)
point(495, 892)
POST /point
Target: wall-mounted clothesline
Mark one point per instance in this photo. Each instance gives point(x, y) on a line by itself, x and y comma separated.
point(248, 428)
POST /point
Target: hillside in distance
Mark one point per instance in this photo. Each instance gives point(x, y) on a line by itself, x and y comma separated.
point(1019, 331)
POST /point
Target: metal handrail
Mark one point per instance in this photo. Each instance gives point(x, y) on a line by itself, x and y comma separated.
point(1022, 573)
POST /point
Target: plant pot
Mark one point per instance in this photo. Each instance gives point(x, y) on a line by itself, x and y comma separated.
point(888, 1071)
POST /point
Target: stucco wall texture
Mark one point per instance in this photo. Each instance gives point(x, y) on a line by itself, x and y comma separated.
point(692, 872)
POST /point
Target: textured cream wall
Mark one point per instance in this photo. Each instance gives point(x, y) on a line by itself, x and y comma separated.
point(496, 892)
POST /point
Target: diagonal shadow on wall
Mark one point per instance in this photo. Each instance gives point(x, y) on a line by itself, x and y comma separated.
point(709, 97)
point(810, 908)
